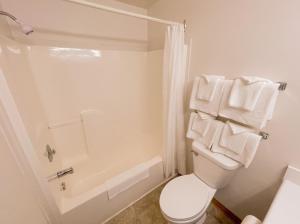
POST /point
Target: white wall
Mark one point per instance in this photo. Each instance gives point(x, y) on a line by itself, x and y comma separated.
point(60, 23)
point(247, 37)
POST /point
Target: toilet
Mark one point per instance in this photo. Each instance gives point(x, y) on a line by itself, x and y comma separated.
point(185, 199)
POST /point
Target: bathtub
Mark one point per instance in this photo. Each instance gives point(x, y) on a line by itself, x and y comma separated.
point(86, 200)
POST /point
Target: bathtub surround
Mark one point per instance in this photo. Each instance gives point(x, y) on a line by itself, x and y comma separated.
point(93, 126)
point(78, 200)
point(25, 139)
point(97, 103)
point(91, 122)
point(138, 75)
point(174, 76)
point(242, 38)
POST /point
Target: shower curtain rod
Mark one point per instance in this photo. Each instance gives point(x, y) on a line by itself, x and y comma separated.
point(123, 12)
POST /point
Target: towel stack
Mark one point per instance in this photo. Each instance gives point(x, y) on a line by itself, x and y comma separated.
point(238, 143)
point(251, 103)
point(248, 101)
point(203, 128)
point(207, 93)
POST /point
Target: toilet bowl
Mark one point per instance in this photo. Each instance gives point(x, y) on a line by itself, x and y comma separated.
point(185, 199)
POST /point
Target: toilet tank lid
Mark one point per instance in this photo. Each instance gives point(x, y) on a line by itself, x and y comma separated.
point(221, 160)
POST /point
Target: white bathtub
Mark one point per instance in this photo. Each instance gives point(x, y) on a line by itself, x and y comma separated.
point(86, 200)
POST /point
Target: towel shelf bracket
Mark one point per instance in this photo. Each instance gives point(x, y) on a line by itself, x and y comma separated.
point(282, 86)
point(264, 135)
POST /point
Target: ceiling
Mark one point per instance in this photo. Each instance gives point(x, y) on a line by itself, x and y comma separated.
point(139, 3)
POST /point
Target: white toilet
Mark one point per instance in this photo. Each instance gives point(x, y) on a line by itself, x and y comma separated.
point(186, 198)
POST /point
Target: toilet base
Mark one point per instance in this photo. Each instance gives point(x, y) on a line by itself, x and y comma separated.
point(201, 221)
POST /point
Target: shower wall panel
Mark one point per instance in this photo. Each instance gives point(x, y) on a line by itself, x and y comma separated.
point(102, 106)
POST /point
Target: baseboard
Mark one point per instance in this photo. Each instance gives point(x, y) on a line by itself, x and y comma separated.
point(226, 212)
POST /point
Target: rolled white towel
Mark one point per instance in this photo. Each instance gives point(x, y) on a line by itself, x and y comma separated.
point(246, 91)
point(207, 87)
point(250, 219)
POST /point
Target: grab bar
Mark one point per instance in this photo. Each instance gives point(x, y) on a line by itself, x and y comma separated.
point(66, 123)
point(61, 173)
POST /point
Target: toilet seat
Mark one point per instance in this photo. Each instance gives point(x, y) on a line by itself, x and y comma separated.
point(184, 198)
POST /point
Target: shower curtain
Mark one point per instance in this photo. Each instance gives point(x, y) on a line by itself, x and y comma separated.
point(174, 79)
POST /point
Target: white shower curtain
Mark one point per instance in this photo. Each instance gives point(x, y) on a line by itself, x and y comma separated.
point(174, 74)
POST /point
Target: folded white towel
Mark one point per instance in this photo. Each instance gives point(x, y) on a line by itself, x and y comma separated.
point(209, 129)
point(246, 91)
point(207, 87)
point(210, 107)
point(262, 111)
point(254, 79)
point(247, 155)
point(234, 137)
point(198, 125)
point(125, 180)
point(213, 134)
point(272, 105)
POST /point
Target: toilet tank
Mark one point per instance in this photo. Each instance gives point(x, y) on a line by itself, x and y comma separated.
point(214, 169)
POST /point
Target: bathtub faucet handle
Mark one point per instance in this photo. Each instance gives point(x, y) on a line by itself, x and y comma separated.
point(65, 172)
point(50, 152)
